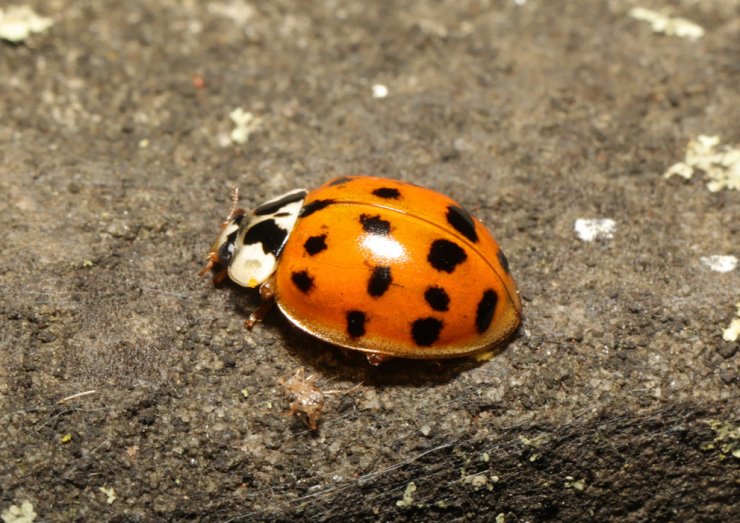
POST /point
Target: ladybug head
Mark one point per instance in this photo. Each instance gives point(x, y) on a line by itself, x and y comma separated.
point(248, 247)
point(223, 248)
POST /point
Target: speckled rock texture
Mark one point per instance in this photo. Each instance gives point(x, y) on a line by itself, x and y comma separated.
point(616, 400)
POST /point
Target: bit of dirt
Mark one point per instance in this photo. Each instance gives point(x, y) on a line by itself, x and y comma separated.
point(617, 399)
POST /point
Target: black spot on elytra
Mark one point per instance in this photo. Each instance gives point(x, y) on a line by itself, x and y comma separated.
point(269, 234)
point(463, 223)
point(315, 244)
point(437, 298)
point(314, 206)
point(302, 280)
point(486, 309)
point(504, 262)
point(375, 225)
point(379, 281)
point(272, 207)
point(425, 331)
point(445, 255)
point(389, 193)
point(341, 180)
point(356, 323)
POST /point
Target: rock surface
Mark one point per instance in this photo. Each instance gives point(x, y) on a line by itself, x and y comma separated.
point(618, 398)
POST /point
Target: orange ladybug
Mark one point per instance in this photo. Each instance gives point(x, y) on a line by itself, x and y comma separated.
point(376, 265)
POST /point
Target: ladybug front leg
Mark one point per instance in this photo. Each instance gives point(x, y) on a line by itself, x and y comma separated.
point(267, 293)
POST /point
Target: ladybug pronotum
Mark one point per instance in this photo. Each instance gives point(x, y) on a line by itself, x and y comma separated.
point(376, 265)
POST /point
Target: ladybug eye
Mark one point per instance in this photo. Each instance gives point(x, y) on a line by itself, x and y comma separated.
point(226, 251)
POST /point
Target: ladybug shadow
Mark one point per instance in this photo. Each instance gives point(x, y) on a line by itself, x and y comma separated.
point(340, 363)
point(337, 363)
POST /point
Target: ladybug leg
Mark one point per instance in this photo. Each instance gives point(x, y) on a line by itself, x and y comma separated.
point(374, 358)
point(220, 276)
point(267, 293)
point(258, 314)
point(209, 265)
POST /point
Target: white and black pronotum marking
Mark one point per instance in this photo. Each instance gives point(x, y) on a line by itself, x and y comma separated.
point(252, 247)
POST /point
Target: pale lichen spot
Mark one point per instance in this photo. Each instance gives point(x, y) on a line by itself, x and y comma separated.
point(668, 25)
point(732, 332)
point(589, 230)
point(720, 263)
point(719, 163)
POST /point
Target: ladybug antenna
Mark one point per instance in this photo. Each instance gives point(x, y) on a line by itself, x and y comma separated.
point(234, 203)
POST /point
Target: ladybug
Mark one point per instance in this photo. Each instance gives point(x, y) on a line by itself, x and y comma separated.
point(376, 265)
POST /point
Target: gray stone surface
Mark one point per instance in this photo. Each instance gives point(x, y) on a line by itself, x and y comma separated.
point(617, 399)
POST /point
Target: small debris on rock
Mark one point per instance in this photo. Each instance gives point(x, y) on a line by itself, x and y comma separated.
point(307, 397)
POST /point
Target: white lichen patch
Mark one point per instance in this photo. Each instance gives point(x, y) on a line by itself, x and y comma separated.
point(732, 332)
point(380, 91)
point(726, 440)
point(238, 11)
point(719, 163)
point(245, 123)
point(589, 230)
point(535, 442)
point(571, 482)
point(720, 263)
point(23, 513)
point(479, 481)
point(408, 496)
point(18, 23)
point(668, 25)
point(110, 494)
